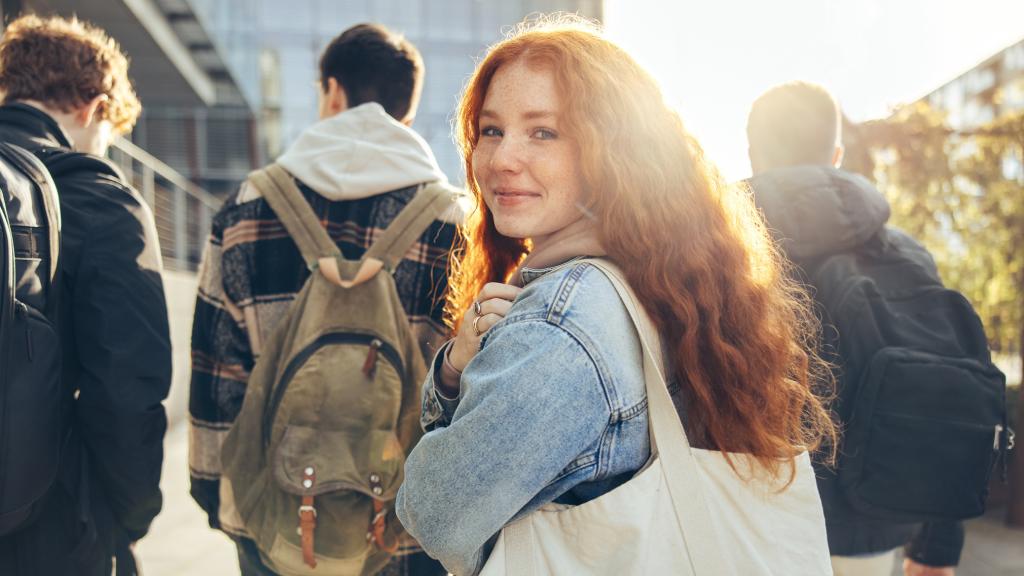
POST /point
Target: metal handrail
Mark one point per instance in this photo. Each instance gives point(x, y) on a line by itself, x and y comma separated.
point(166, 172)
point(182, 211)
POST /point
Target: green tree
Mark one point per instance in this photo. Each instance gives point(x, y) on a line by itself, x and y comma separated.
point(961, 193)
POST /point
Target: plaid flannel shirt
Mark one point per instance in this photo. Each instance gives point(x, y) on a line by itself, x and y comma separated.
point(251, 272)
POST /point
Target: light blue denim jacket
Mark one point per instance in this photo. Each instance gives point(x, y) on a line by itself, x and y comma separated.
point(552, 408)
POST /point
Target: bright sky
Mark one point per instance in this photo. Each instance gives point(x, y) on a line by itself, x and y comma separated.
point(713, 58)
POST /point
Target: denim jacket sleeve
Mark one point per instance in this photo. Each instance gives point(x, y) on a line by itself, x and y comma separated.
point(437, 409)
point(531, 402)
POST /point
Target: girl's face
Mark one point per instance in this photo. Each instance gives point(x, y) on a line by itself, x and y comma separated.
point(526, 166)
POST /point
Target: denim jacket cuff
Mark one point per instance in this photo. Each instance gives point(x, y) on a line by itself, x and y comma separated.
point(437, 408)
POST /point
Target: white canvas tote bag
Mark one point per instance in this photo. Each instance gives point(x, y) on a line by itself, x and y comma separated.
point(685, 513)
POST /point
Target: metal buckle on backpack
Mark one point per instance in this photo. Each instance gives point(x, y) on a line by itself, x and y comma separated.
point(307, 509)
point(1003, 435)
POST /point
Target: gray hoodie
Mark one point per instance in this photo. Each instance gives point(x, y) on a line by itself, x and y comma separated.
point(359, 153)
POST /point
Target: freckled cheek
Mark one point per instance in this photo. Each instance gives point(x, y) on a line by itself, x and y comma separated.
point(481, 167)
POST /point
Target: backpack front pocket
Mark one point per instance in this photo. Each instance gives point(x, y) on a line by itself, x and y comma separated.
point(352, 394)
point(368, 462)
point(923, 437)
point(346, 479)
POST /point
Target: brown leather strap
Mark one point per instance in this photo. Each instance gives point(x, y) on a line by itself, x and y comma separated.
point(378, 527)
point(307, 519)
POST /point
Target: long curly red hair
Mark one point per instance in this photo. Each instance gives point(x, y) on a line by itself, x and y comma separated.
point(739, 332)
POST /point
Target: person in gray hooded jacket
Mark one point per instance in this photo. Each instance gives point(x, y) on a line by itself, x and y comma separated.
point(815, 209)
point(358, 167)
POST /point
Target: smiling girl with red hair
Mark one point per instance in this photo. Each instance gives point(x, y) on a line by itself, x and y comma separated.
point(571, 152)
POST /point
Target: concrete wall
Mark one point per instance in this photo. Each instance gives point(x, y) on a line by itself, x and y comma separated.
point(180, 288)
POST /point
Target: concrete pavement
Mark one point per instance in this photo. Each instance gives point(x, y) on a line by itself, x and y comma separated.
point(181, 543)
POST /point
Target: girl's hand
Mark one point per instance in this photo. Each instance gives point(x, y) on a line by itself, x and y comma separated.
point(490, 306)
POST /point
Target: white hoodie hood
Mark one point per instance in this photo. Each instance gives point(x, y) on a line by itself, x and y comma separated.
point(359, 153)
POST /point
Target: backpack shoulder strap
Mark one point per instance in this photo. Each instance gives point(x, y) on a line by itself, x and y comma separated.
point(6, 273)
point(286, 200)
point(37, 171)
point(430, 202)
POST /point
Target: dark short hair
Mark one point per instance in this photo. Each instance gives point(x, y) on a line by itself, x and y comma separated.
point(794, 123)
point(373, 64)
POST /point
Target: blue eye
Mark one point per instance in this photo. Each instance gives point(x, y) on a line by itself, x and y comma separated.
point(490, 131)
point(545, 134)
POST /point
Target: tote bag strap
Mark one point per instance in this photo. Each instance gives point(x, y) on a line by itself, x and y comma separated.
point(668, 441)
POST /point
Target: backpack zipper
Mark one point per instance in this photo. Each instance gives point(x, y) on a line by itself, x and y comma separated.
point(376, 345)
point(370, 365)
point(1010, 437)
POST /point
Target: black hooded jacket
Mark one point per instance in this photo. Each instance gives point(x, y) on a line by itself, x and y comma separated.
point(816, 211)
point(116, 363)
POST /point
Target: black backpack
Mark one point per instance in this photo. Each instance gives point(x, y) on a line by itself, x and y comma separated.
point(31, 432)
point(922, 405)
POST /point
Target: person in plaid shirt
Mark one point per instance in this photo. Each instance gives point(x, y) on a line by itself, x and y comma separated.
point(357, 167)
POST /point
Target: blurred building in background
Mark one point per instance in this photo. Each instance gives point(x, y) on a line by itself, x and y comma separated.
point(272, 49)
point(196, 117)
point(197, 131)
point(226, 85)
point(985, 92)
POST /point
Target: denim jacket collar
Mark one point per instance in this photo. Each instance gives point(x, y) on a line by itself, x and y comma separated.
point(528, 274)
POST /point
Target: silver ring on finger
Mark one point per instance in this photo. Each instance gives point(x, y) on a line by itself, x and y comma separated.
point(476, 326)
point(477, 309)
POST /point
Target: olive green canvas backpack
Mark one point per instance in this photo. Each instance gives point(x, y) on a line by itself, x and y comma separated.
point(316, 455)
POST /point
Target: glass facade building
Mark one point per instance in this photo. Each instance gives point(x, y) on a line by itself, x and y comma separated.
point(272, 50)
point(985, 92)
